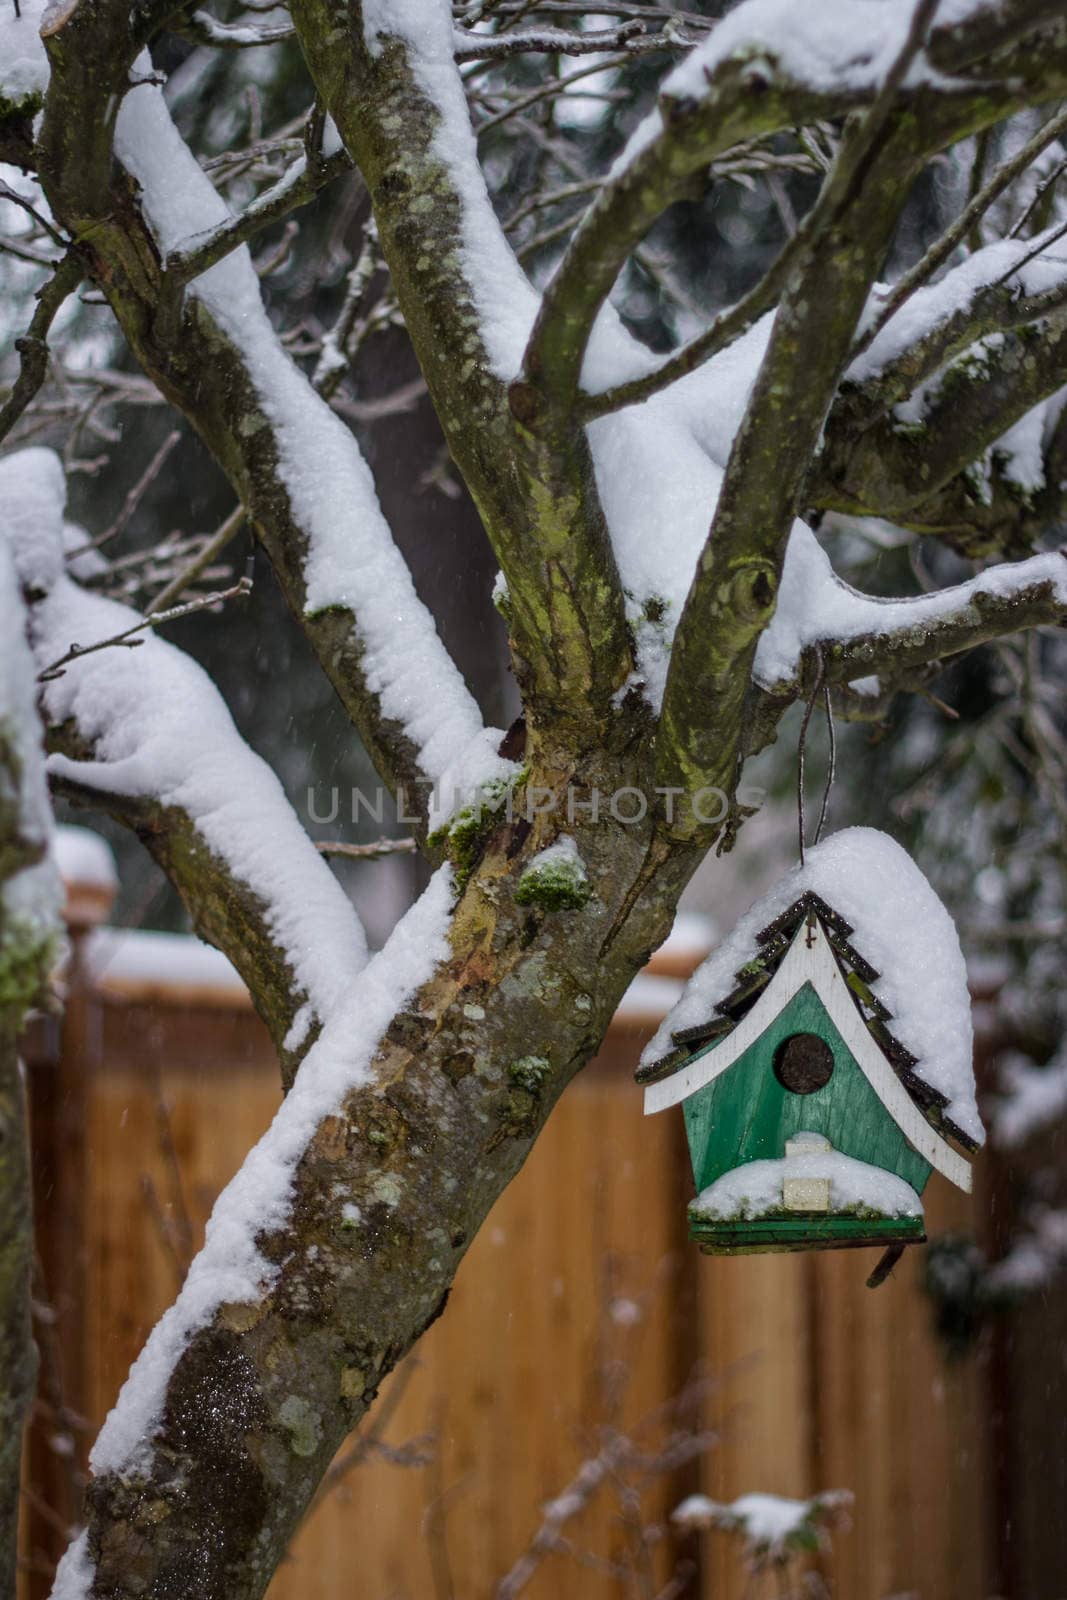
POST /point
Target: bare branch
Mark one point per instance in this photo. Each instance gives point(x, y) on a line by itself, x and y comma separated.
point(136, 494)
point(227, 530)
point(33, 345)
point(300, 183)
point(368, 852)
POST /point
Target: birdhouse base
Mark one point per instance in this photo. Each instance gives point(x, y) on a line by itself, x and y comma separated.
point(814, 1231)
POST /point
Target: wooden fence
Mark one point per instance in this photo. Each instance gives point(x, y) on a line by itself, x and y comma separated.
point(579, 1310)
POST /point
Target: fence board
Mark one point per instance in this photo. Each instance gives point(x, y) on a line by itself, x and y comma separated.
point(582, 1266)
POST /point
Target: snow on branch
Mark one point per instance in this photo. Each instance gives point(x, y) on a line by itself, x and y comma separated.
point(351, 561)
point(924, 270)
point(1007, 284)
point(504, 300)
point(773, 1529)
point(244, 34)
point(151, 739)
point(858, 635)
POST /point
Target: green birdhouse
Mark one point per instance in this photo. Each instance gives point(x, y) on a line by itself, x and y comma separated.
point(810, 1125)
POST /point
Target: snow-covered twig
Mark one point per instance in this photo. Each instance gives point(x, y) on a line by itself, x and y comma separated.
point(128, 637)
point(555, 41)
point(858, 635)
point(202, 27)
point(940, 251)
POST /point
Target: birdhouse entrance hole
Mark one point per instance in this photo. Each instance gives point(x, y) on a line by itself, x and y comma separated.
point(803, 1063)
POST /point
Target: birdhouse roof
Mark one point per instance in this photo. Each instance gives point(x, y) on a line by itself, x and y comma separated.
point(899, 971)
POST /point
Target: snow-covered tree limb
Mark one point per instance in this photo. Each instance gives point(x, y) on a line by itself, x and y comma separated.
point(394, 91)
point(143, 733)
point(296, 467)
point(898, 464)
point(858, 636)
point(764, 68)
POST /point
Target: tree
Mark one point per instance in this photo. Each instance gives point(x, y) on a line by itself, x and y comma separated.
point(664, 605)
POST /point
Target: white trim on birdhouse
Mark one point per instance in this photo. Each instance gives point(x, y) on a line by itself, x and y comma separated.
point(810, 959)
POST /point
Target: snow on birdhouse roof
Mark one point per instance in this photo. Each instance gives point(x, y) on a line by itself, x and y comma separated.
point(899, 926)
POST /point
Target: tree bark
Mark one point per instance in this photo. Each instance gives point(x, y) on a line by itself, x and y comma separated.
point(18, 1355)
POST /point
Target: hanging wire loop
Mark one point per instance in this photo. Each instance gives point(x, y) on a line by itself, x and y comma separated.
point(801, 748)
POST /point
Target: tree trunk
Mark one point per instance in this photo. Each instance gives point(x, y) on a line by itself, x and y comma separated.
point(18, 1357)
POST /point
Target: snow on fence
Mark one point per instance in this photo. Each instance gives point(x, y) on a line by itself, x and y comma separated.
point(580, 1287)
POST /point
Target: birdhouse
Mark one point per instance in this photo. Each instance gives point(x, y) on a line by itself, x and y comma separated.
point(811, 1124)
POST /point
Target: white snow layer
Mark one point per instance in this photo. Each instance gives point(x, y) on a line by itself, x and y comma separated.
point(836, 45)
point(352, 559)
point(754, 1189)
point(902, 929)
point(767, 1521)
point(84, 858)
point(815, 604)
point(1007, 261)
point(140, 958)
point(74, 1574)
point(230, 1268)
point(23, 62)
point(160, 728)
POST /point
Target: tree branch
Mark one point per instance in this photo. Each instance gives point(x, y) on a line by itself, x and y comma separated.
point(738, 98)
point(146, 736)
point(463, 297)
point(940, 251)
point(898, 467)
point(33, 345)
point(894, 638)
point(299, 184)
point(734, 592)
point(215, 356)
point(30, 941)
point(727, 326)
point(471, 46)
